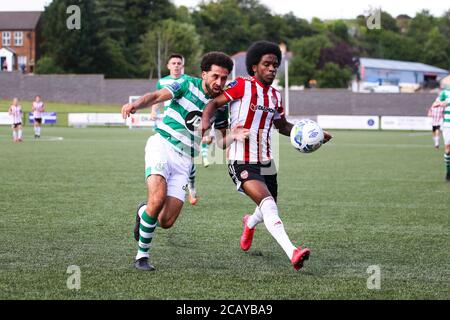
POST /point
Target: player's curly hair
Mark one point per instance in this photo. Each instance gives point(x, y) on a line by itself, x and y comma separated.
point(219, 59)
point(257, 50)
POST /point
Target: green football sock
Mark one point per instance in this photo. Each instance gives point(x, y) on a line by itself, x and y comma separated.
point(146, 233)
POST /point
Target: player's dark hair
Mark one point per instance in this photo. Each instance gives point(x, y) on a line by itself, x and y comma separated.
point(257, 50)
point(217, 58)
point(175, 55)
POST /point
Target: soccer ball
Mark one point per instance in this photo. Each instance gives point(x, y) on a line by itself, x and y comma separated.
point(306, 136)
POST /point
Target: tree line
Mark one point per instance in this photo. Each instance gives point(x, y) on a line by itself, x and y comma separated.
point(124, 38)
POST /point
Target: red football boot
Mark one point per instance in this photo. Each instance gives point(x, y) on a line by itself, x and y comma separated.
point(299, 257)
point(247, 234)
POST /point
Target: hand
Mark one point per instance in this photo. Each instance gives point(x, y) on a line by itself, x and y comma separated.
point(128, 109)
point(326, 136)
point(239, 133)
point(153, 116)
point(206, 139)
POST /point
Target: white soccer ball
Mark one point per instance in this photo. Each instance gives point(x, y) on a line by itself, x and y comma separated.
point(306, 136)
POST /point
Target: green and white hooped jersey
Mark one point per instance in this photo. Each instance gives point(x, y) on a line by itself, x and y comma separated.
point(168, 80)
point(184, 114)
point(445, 96)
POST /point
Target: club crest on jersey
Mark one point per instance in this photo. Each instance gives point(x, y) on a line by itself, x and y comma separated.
point(193, 120)
point(232, 84)
point(274, 100)
point(174, 86)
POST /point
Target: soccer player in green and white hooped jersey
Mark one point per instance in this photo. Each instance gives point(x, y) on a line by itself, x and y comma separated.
point(175, 64)
point(444, 99)
point(169, 153)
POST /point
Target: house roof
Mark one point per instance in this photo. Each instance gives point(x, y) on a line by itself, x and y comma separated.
point(9, 49)
point(241, 69)
point(400, 65)
point(19, 20)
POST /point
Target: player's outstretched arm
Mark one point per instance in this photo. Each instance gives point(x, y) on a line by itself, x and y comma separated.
point(210, 110)
point(326, 136)
point(146, 101)
point(283, 126)
point(227, 136)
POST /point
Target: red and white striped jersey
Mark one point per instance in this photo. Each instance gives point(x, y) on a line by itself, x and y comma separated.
point(38, 108)
point(437, 115)
point(16, 113)
point(255, 107)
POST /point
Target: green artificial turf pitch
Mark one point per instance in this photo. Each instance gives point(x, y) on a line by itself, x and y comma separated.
point(364, 199)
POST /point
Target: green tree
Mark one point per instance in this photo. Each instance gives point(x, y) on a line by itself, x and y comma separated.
point(223, 26)
point(74, 51)
point(309, 48)
point(421, 25)
point(46, 65)
point(173, 37)
point(300, 72)
point(333, 76)
point(388, 22)
point(434, 49)
point(339, 30)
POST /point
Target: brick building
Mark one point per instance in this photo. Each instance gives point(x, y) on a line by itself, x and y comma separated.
point(19, 40)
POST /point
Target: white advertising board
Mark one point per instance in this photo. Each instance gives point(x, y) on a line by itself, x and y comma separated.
point(349, 122)
point(405, 123)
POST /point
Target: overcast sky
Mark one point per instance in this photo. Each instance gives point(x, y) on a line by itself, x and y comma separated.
point(323, 9)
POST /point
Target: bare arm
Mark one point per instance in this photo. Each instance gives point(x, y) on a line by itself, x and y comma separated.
point(227, 136)
point(210, 110)
point(283, 126)
point(146, 101)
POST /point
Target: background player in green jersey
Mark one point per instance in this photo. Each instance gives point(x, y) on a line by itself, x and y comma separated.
point(444, 98)
point(169, 153)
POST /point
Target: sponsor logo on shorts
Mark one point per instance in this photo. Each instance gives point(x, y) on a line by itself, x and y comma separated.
point(160, 166)
point(244, 174)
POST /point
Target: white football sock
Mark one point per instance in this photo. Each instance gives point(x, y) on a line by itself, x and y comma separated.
point(20, 134)
point(14, 135)
point(255, 218)
point(436, 140)
point(141, 210)
point(275, 226)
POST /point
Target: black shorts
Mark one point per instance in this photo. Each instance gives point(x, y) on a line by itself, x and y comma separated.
point(38, 120)
point(15, 125)
point(264, 172)
point(436, 128)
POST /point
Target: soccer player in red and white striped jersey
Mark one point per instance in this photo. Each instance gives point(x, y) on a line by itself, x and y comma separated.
point(257, 106)
point(38, 108)
point(436, 112)
point(16, 113)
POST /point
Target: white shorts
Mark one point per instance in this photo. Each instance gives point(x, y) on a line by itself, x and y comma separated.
point(164, 160)
point(446, 135)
